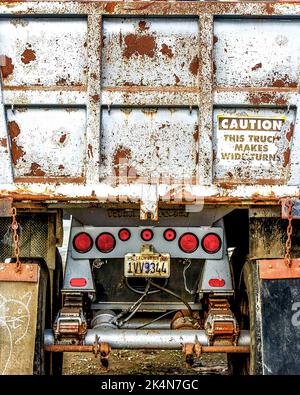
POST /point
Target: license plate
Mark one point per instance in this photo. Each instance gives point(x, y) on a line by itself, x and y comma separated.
point(152, 265)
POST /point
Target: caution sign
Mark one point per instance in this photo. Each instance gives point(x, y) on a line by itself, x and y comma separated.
point(251, 146)
point(252, 139)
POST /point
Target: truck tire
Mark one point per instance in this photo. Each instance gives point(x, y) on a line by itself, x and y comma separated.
point(46, 363)
point(41, 364)
point(248, 315)
point(57, 357)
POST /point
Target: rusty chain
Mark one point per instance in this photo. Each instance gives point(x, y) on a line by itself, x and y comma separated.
point(289, 231)
point(16, 239)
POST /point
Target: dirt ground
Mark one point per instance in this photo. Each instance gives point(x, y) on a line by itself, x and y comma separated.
point(148, 362)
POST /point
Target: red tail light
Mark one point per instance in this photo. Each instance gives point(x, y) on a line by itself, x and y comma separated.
point(147, 234)
point(188, 243)
point(216, 282)
point(211, 243)
point(169, 234)
point(82, 242)
point(78, 282)
point(124, 234)
point(105, 242)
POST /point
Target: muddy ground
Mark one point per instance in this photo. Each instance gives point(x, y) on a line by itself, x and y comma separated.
point(148, 362)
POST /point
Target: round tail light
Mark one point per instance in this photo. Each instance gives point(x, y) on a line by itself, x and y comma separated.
point(188, 243)
point(105, 242)
point(124, 234)
point(169, 234)
point(211, 243)
point(82, 242)
point(147, 234)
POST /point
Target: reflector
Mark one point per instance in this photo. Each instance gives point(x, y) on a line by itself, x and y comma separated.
point(105, 242)
point(124, 234)
point(216, 282)
point(188, 243)
point(169, 234)
point(147, 234)
point(82, 242)
point(211, 243)
point(78, 282)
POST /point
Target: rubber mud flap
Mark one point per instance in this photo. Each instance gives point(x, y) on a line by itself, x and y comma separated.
point(18, 321)
point(281, 326)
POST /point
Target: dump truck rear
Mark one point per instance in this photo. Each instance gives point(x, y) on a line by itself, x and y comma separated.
point(168, 132)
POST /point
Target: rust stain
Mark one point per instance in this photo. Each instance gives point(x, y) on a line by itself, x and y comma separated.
point(226, 185)
point(110, 7)
point(16, 150)
point(94, 76)
point(177, 79)
point(165, 50)
point(266, 98)
point(35, 170)
point(194, 65)
point(196, 134)
point(143, 26)
point(7, 68)
point(290, 133)
point(63, 138)
point(61, 167)
point(215, 40)
point(214, 155)
point(286, 157)
point(139, 45)
point(284, 82)
point(214, 67)
point(121, 157)
point(3, 142)
point(61, 81)
point(90, 151)
point(256, 67)
point(95, 98)
point(269, 9)
point(28, 56)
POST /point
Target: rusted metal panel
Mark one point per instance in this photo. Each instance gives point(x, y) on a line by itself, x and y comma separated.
point(6, 207)
point(273, 269)
point(43, 51)
point(256, 52)
point(47, 142)
point(149, 142)
point(28, 272)
point(134, 47)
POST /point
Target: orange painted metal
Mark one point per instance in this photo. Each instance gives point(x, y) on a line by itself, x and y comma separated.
point(273, 269)
point(206, 349)
point(28, 272)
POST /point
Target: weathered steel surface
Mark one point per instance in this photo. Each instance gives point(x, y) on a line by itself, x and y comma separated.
point(272, 269)
point(149, 142)
point(6, 207)
point(134, 47)
point(47, 142)
point(172, 57)
point(43, 52)
point(18, 312)
point(28, 272)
